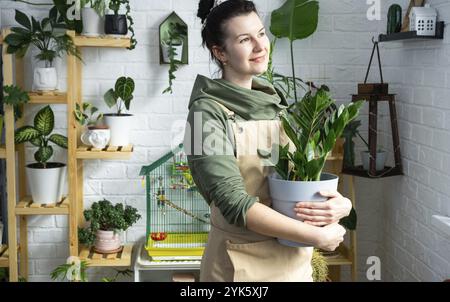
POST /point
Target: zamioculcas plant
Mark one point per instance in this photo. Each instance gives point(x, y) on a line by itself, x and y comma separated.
point(40, 135)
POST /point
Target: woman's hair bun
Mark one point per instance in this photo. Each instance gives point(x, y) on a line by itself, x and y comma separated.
point(204, 7)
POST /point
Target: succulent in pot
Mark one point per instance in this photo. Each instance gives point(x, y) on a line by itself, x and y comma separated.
point(105, 222)
point(49, 37)
point(119, 24)
point(120, 123)
point(313, 130)
point(46, 179)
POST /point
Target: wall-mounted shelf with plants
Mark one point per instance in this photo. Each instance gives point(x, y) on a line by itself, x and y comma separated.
point(413, 36)
point(173, 41)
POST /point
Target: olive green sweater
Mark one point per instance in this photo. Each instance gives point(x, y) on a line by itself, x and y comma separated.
point(214, 170)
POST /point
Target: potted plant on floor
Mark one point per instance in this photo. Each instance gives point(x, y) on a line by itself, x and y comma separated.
point(117, 24)
point(47, 39)
point(92, 15)
point(93, 134)
point(313, 133)
point(120, 123)
point(105, 221)
point(46, 179)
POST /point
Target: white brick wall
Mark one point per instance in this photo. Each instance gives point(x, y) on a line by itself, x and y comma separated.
point(391, 224)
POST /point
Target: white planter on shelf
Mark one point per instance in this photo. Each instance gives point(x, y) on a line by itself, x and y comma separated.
point(107, 242)
point(178, 51)
point(46, 185)
point(45, 79)
point(93, 24)
point(120, 126)
point(285, 194)
point(379, 163)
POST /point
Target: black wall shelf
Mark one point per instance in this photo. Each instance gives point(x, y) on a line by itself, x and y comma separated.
point(412, 35)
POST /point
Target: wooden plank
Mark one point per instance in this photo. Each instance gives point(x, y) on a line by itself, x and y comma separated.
point(35, 205)
point(126, 253)
point(103, 155)
point(84, 254)
point(97, 256)
point(48, 97)
point(26, 207)
point(103, 41)
point(23, 268)
point(49, 205)
point(112, 148)
point(2, 152)
point(128, 148)
point(22, 204)
point(112, 256)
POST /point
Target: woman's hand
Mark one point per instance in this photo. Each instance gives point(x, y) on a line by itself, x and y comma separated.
point(330, 237)
point(326, 212)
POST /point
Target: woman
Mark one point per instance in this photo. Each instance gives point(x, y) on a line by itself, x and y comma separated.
point(226, 119)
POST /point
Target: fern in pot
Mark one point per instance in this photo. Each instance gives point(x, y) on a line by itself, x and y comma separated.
point(120, 123)
point(46, 179)
point(105, 222)
point(313, 130)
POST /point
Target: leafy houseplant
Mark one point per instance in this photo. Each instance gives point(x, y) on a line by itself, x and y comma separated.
point(46, 179)
point(106, 220)
point(295, 19)
point(92, 14)
point(313, 132)
point(85, 115)
point(120, 123)
point(88, 116)
point(117, 24)
point(172, 50)
point(50, 43)
point(13, 95)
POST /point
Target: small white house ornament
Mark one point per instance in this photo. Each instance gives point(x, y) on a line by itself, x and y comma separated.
point(423, 20)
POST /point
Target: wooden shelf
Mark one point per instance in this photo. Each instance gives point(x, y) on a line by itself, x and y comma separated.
point(122, 258)
point(102, 41)
point(412, 35)
point(386, 172)
point(27, 207)
point(341, 258)
point(4, 256)
point(2, 151)
point(48, 97)
point(110, 152)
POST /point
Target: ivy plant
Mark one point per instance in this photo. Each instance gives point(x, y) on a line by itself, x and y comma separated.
point(176, 34)
point(40, 135)
point(105, 216)
point(115, 5)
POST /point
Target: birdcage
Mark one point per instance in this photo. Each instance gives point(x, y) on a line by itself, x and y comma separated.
point(177, 215)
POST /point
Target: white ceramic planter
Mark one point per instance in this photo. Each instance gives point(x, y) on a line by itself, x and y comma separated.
point(93, 24)
point(107, 241)
point(120, 126)
point(178, 51)
point(97, 137)
point(285, 194)
point(47, 185)
point(379, 162)
point(45, 79)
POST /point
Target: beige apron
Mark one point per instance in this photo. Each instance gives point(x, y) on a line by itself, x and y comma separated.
point(235, 253)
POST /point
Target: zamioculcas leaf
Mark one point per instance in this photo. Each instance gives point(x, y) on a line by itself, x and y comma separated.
point(26, 134)
point(43, 154)
point(45, 121)
point(59, 140)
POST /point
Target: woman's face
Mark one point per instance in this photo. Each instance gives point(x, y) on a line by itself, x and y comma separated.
point(246, 46)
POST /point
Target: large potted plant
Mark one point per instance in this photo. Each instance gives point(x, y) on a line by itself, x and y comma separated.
point(46, 179)
point(50, 42)
point(120, 123)
point(119, 24)
point(105, 222)
point(313, 130)
point(172, 50)
point(93, 17)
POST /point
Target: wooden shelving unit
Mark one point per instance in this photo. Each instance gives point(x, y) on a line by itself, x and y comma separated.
point(71, 205)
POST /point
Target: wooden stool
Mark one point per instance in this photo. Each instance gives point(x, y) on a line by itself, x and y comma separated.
point(183, 277)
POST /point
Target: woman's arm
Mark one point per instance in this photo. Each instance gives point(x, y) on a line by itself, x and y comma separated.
point(264, 220)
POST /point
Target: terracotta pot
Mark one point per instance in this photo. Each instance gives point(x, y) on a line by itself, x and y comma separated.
point(107, 241)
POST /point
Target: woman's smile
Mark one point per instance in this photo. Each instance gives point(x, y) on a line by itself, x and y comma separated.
point(260, 59)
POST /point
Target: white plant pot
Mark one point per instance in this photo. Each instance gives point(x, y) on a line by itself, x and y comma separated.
point(178, 51)
point(379, 162)
point(93, 24)
point(45, 79)
point(285, 194)
point(120, 126)
point(47, 185)
point(97, 137)
point(107, 241)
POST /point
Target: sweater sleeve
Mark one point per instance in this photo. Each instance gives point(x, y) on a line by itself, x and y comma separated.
point(212, 162)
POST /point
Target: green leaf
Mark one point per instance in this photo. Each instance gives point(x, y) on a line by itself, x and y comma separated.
point(22, 19)
point(59, 140)
point(124, 89)
point(44, 121)
point(295, 19)
point(43, 154)
point(26, 134)
point(110, 98)
point(350, 221)
point(36, 142)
